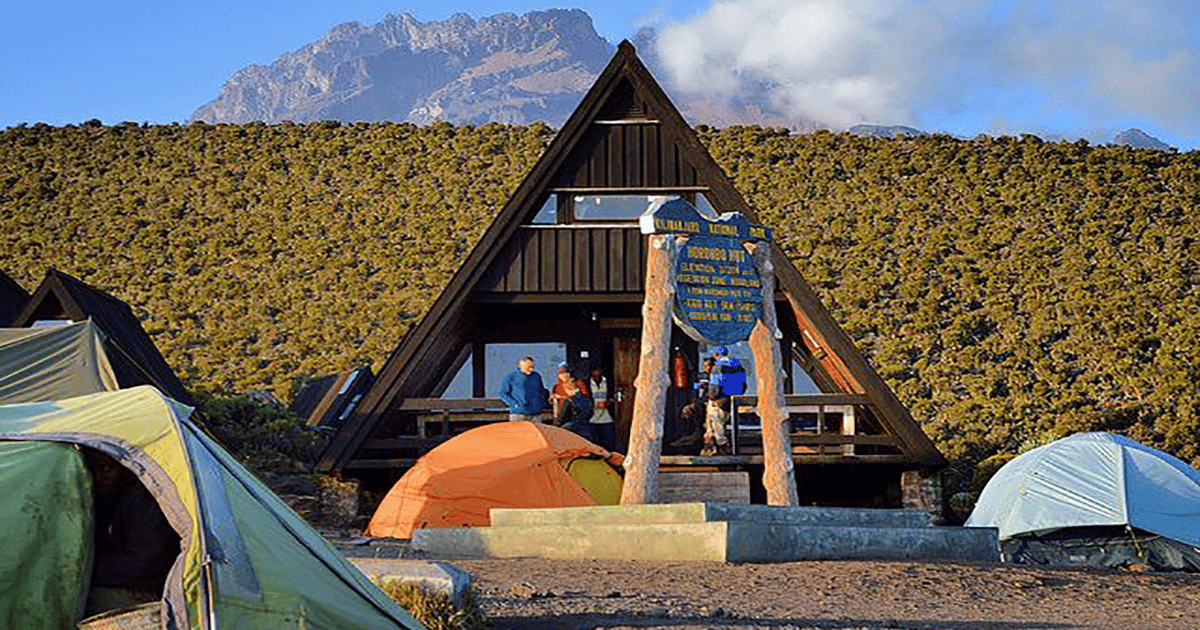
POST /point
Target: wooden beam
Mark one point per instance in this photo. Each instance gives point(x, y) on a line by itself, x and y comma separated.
point(449, 404)
point(659, 190)
point(779, 473)
point(404, 462)
point(627, 121)
point(557, 298)
point(407, 441)
point(798, 458)
point(814, 439)
point(645, 441)
point(813, 400)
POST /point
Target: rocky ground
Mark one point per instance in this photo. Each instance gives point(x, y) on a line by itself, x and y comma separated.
point(587, 594)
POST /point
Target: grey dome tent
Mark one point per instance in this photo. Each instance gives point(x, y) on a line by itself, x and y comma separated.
point(1095, 499)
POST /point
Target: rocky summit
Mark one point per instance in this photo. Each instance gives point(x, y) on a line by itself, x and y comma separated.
point(503, 68)
point(1139, 139)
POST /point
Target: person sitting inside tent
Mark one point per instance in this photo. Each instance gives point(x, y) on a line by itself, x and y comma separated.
point(575, 411)
point(134, 545)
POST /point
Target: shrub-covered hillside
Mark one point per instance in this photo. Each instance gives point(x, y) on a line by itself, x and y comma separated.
point(258, 254)
point(1011, 290)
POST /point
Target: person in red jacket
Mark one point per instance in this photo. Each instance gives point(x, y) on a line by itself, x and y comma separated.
point(559, 394)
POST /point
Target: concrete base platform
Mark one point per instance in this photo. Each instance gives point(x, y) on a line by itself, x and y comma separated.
point(437, 576)
point(718, 532)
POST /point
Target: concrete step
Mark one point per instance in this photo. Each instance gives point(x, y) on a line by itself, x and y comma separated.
point(678, 513)
point(719, 541)
point(681, 541)
point(759, 542)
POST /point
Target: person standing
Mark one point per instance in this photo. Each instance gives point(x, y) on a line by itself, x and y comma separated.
point(693, 416)
point(728, 378)
point(603, 426)
point(522, 390)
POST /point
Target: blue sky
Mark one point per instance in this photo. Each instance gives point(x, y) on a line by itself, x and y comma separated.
point(1076, 68)
point(66, 61)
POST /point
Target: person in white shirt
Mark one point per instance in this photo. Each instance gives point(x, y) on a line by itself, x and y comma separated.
point(602, 421)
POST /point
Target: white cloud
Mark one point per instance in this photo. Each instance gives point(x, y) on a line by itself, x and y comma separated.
point(842, 62)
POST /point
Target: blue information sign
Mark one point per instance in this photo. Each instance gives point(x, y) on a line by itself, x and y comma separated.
point(718, 294)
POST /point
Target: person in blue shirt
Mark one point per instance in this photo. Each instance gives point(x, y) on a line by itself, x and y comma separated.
point(728, 374)
point(728, 379)
point(522, 390)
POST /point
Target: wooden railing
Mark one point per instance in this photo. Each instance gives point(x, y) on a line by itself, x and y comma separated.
point(820, 408)
point(447, 414)
point(832, 429)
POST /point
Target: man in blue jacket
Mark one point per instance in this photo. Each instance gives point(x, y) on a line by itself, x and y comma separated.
point(728, 374)
point(522, 390)
point(728, 379)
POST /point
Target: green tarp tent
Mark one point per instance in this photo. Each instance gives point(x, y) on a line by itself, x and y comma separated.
point(46, 517)
point(53, 362)
point(246, 560)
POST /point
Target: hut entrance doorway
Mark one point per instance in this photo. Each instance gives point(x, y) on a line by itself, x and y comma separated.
point(626, 352)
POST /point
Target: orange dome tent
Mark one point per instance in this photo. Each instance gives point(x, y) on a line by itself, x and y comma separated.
point(502, 465)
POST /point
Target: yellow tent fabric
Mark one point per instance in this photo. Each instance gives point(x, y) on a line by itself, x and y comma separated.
point(247, 560)
point(597, 478)
point(502, 465)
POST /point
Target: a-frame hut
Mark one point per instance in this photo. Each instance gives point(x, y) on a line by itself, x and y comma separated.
point(12, 298)
point(134, 357)
point(559, 276)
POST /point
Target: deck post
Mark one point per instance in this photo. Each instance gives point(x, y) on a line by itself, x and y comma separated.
point(646, 432)
point(779, 477)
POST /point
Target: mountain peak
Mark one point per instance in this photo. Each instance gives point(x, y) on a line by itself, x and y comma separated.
point(886, 131)
point(504, 68)
point(1139, 139)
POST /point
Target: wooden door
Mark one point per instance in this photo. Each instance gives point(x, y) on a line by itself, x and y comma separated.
point(626, 352)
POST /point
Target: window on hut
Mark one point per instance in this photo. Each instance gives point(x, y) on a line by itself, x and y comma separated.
point(461, 386)
point(612, 207)
point(706, 209)
point(549, 212)
point(501, 358)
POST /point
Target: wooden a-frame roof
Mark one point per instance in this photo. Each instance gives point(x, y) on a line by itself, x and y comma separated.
point(625, 90)
point(13, 298)
point(134, 357)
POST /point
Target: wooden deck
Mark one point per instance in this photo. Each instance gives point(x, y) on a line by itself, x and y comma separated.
point(826, 430)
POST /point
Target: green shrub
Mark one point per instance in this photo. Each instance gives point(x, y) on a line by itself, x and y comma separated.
point(435, 609)
point(264, 436)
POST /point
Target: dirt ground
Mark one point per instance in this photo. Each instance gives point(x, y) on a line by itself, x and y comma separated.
point(587, 594)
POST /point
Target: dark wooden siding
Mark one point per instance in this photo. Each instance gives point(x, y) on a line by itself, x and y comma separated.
point(627, 155)
point(569, 259)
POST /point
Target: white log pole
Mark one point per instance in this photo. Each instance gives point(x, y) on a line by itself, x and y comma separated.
point(779, 476)
point(645, 434)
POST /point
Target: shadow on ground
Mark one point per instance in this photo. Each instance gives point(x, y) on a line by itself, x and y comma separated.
point(597, 621)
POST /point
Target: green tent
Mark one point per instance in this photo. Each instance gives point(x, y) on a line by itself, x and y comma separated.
point(46, 492)
point(53, 362)
point(246, 560)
